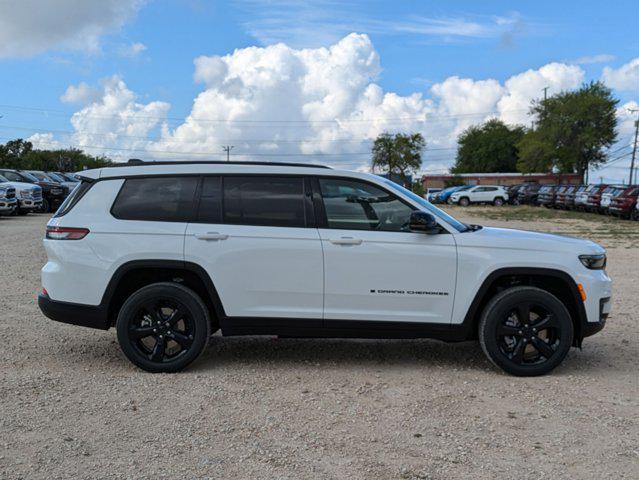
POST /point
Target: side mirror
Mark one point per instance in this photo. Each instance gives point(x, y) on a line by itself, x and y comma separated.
point(423, 222)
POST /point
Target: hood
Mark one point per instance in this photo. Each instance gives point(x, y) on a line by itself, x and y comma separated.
point(21, 185)
point(527, 241)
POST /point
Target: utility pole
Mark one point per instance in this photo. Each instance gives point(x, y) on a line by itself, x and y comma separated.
point(228, 149)
point(545, 93)
point(634, 148)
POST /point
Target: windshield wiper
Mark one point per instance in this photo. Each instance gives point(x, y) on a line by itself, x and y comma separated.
point(472, 227)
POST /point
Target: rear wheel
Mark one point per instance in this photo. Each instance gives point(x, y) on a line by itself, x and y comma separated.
point(525, 331)
point(464, 202)
point(163, 327)
point(44, 207)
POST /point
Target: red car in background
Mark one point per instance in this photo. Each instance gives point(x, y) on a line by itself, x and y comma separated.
point(624, 203)
point(593, 202)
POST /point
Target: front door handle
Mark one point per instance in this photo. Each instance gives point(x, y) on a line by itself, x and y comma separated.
point(211, 236)
point(346, 241)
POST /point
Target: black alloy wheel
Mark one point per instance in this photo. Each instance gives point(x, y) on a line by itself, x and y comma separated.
point(163, 327)
point(526, 331)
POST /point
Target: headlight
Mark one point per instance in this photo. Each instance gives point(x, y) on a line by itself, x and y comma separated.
point(594, 262)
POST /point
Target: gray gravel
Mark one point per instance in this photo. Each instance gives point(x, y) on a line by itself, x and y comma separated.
point(72, 406)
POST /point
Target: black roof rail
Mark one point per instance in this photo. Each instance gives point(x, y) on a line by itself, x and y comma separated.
point(136, 162)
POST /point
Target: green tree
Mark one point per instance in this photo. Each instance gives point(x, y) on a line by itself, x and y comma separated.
point(487, 148)
point(572, 131)
point(14, 152)
point(20, 154)
point(399, 154)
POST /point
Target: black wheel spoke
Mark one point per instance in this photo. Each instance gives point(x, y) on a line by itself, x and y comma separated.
point(545, 322)
point(175, 316)
point(183, 340)
point(140, 332)
point(152, 309)
point(517, 354)
point(158, 351)
point(523, 313)
point(508, 331)
point(542, 347)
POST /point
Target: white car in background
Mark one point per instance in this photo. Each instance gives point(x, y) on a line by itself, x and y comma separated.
point(607, 196)
point(29, 196)
point(495, 194)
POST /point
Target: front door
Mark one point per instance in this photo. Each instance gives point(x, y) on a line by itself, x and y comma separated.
point(377, 270)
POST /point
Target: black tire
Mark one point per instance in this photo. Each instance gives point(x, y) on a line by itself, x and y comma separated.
point(464, 202)
point(498, 202)
point(175, 320)
point(519, 347)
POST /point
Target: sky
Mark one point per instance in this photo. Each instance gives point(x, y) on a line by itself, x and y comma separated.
point(313, 81)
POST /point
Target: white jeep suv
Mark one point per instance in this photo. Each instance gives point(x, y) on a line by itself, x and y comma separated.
point(171, 252)
point(495, 194)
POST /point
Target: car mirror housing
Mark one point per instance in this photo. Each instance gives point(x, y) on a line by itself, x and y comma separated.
point(423, 222)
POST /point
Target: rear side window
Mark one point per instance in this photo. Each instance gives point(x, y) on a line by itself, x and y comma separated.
point(73, 198)
point(210, 210)
point(158, 199)
point(264, 201)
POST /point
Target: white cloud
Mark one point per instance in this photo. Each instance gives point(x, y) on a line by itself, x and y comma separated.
point(521, 89)
point(133, 50)
point(590, 59)
point(625, 77)
point(82, 93)
point(45, 141)
point(282, 103)
point(319, 22)
point(29, 27)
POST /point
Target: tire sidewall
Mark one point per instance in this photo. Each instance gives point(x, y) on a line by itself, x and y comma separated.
point(498, 308)
point(196, 309)
point(464, 202)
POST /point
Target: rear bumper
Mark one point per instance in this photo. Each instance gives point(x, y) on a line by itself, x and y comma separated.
point(74, 313)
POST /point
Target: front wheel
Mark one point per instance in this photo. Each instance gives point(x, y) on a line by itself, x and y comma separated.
point(163, 327)
point(464, 202)
point(498, 202)
point(526, 331)
point(44, 206)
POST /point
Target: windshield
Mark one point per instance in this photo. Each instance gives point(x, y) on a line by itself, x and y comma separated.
point(27, 175)
point(56, 177)
point(456, 224)
point(39, 176)
point(3, 179)
point(69, 177)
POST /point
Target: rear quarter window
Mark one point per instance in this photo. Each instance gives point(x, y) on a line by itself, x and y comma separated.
point(156, 199)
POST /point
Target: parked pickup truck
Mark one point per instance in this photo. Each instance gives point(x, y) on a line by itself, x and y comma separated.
point(28, 196)
point(8, 200)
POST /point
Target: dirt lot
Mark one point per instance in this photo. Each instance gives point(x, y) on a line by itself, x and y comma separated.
point(72, 406)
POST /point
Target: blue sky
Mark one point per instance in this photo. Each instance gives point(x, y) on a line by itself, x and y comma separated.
point(151, 47)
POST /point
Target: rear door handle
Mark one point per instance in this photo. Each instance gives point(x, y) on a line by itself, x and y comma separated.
point(346, 241)
point(211, 236)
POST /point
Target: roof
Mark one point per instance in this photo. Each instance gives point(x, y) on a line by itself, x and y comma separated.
point(496, 174)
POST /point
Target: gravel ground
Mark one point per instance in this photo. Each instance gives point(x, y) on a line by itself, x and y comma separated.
point(72, 406)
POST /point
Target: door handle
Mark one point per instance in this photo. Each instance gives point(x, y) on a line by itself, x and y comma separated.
point(211, 236)
point(346, 241)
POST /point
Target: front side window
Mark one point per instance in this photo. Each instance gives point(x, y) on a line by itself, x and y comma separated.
point(264, 201)
point(158, 199)
point(353, 205)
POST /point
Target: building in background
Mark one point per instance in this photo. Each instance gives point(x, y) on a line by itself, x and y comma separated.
point(442, 180)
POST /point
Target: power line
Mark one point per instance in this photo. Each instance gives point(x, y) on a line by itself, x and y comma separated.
point(423, 118)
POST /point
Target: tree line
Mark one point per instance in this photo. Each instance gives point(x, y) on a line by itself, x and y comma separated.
point(20, 154)
point(572, 132)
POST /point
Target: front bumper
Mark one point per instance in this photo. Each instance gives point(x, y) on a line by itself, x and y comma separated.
point(74, 313)
point(590, 328)
point(7, 206)
point(29, 203)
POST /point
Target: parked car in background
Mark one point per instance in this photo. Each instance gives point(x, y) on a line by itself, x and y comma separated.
point(581, 197)
point(572, 195)
point(512, 191)
point(593, 203)
point(546, 195)
point(566, 199)
point(430, 193)
point(495, 194)
point(624, 204)
point(8, 202)
point(53, 194)
point(635, 212)
point(559, 196)
point(28, 196)
point(527, 194)
point(444, 195)
point(608, 195)
point(61, 179)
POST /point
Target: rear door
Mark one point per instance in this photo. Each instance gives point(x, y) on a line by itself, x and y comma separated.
point(375, 269)
point(256, 238)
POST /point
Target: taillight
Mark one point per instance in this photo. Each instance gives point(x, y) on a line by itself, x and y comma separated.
point(66, 233)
